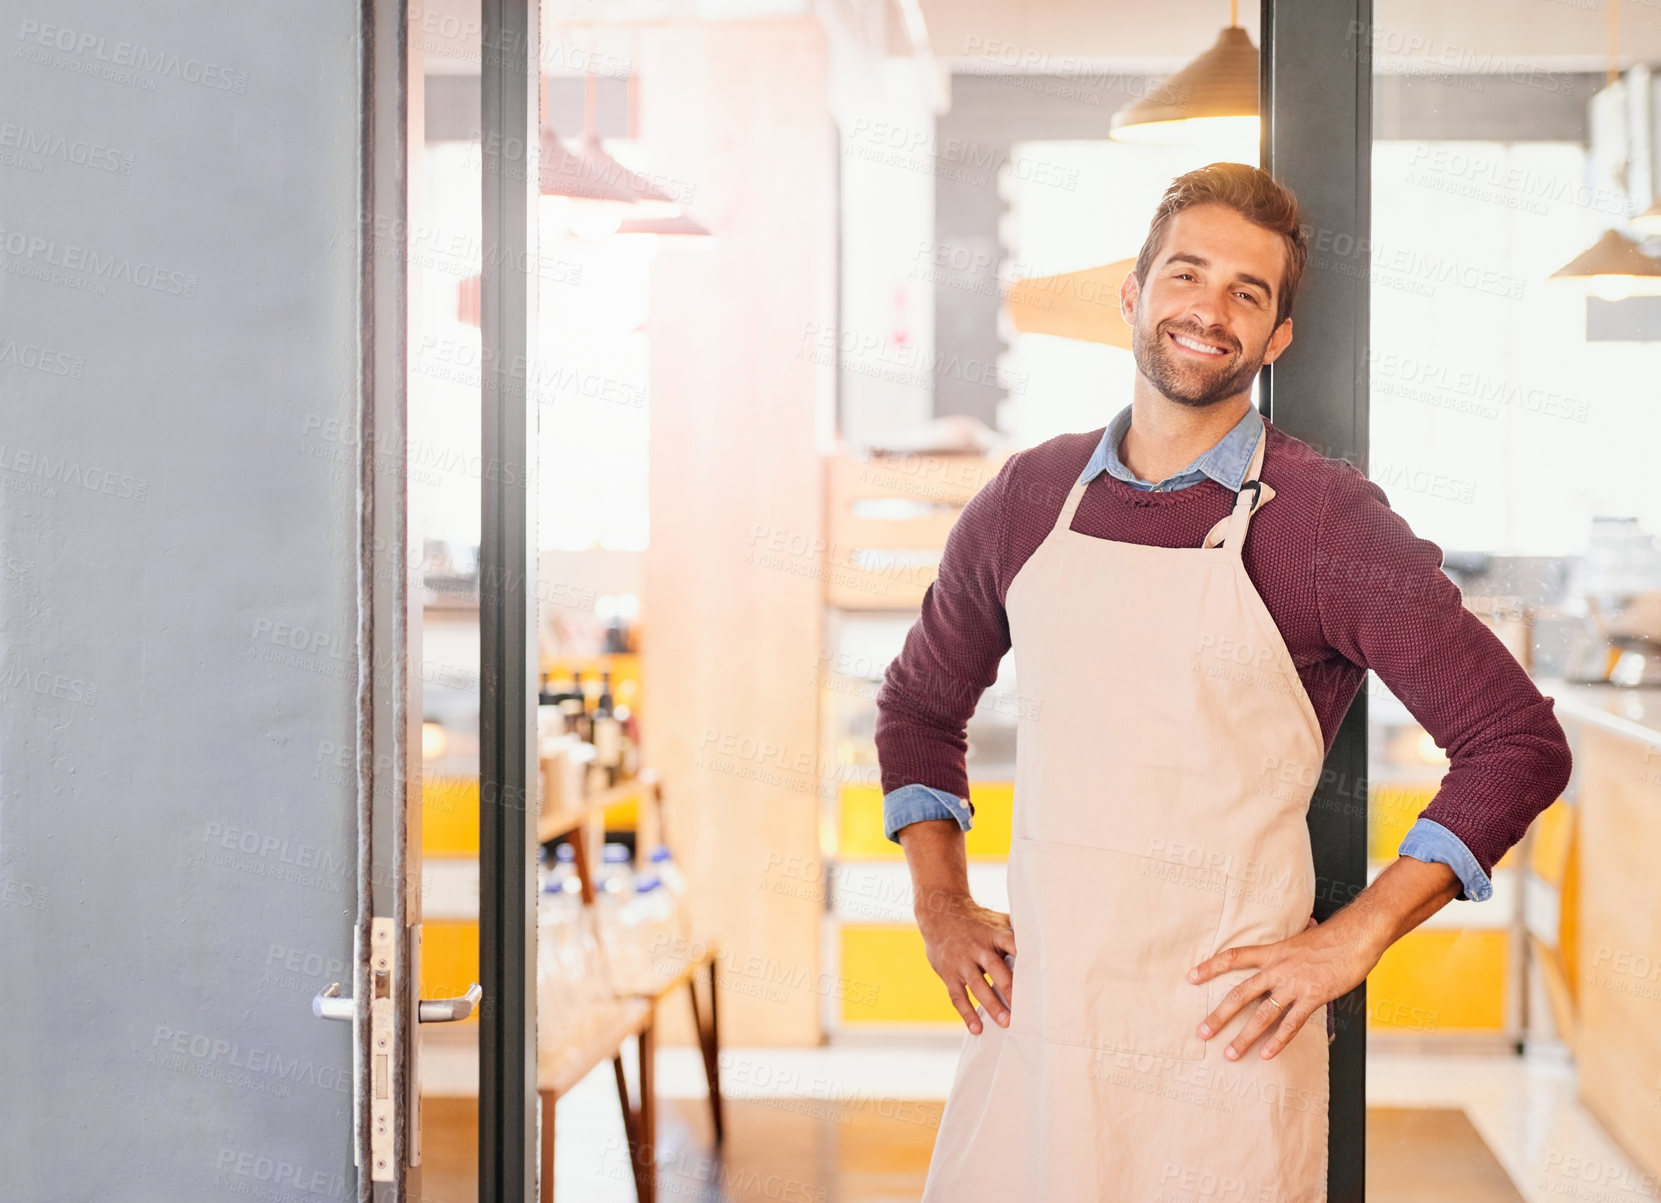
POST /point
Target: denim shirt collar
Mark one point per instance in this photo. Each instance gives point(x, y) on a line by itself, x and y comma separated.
point(1225, 463)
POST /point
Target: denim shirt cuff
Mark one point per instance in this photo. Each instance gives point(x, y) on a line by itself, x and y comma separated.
point(1430, 841)
point(915, 803)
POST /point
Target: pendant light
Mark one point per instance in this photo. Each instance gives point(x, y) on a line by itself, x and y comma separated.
point(1073, 304)
point(680, 226)
point(1214, 96)
point(1614, 267)
point(675, 223)
point(597, 193)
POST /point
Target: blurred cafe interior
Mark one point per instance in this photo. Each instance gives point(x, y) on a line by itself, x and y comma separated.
point(799, 278)
point(863, 266)
point(859, 270)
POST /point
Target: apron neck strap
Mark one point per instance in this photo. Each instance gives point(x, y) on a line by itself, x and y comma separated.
point(1230, 533)
point(1069, 507)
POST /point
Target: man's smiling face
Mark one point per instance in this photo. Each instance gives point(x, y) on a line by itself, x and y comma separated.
point(1204, 320)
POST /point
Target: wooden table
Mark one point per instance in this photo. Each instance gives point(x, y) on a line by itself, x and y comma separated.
point(561, 1068)
point(558, 1069)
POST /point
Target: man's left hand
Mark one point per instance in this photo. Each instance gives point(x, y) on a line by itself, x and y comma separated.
point(1301, 974)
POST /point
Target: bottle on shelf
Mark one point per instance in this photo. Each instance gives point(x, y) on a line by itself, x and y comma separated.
point(562, 965)
point(663, 866)
point(656, 953)
point(631, 730)
point(614, 892)
point(570, 705)
point(564, 870)
point(576, 986)
point(550, 721)
point(582, 722)
point(608, 734)
point(594, 777)
point(616, 878)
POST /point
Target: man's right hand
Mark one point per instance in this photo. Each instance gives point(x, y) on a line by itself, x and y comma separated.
point(966, 943)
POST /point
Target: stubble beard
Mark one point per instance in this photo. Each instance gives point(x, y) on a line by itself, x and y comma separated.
point(1190, 382)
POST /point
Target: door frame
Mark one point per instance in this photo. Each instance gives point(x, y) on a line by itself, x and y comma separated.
point(1316, 80)
point(508, 782)
point(1316, 100)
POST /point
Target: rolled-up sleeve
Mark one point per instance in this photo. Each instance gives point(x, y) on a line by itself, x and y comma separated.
point(951, 654)
point(914, 803)
point(1432, 843)
point(1385, 604)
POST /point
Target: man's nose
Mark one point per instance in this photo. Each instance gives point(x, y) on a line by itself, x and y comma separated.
point(1207, 309)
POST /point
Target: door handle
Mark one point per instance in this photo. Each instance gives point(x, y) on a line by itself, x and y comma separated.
point(331, 1004)
point(449, 1010)
point(382, 1018)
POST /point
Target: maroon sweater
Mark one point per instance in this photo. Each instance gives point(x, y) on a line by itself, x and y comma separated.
point(1347, 582)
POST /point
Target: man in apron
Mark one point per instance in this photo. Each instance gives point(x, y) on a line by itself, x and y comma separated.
point(1179, 684)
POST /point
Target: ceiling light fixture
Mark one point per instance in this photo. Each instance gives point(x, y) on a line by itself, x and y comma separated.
point(598, 193)
point(1213, 97)
point(1614, 267)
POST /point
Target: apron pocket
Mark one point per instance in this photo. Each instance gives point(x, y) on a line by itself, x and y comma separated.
point(1106, 939)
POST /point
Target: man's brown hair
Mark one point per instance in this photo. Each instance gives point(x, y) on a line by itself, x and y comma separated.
point(1252, 193)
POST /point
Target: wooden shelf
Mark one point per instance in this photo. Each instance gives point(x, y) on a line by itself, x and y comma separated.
point(563, 822)
point(561, 1067)
point(919, 498)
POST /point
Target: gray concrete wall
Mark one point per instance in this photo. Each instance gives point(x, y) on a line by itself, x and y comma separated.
point(178, 264)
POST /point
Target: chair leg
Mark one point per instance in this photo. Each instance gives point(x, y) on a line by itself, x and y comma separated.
point(702, 1029)
point(710, 1041)
point(646, 1161)
point(631, 1125)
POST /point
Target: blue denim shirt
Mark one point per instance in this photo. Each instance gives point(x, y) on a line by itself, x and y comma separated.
point(1225, 463)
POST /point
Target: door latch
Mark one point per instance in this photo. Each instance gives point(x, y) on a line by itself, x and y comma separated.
point(382, 1011)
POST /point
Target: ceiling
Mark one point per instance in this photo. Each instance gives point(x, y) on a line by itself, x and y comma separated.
point(1467, 35)
point(1062, 36)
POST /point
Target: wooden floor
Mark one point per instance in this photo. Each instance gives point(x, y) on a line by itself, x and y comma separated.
point(1428, 1155)
point(839, 1153)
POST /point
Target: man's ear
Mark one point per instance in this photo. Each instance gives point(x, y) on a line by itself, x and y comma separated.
point(1129, 291)
point(1278, 341)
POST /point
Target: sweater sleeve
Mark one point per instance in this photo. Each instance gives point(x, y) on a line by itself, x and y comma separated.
point(951, 652)
point(1385, 604)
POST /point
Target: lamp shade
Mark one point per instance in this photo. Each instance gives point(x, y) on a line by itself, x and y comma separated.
point(1081, 305)
point(593, 194)
point(562, 173)
point(680, 226)
point(1613, 267)
point(1649, 221)
point(1214, 95)
point(649, 201)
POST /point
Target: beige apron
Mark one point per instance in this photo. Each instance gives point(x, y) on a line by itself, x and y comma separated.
point(1163, 775)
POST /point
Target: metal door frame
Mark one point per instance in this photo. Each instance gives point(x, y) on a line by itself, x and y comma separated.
point(508, 782)
point(1316, 88)
point(1316, 91)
